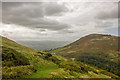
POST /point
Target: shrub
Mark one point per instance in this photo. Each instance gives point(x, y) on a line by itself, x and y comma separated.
point(17, 72)
point(71, 66)
point(52, 58)
point(40, 52)
point(47, 55)
point(55, 60)
point(109, 74)
point(11, 57)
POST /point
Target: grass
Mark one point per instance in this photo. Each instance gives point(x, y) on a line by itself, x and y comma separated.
point(43, 72)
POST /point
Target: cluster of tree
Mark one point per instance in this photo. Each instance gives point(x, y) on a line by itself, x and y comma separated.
point(101, 63)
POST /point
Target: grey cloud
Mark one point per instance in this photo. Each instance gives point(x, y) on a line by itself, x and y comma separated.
point(16, 12)
point(32, 14)
point(111, 14)
point(119, 15)
point(69, 31)
point(42, 30)
point(55, 27)
point(104, 24)
point(54, 9)
point(66, 31)
point(6, 33)
point(119, 9)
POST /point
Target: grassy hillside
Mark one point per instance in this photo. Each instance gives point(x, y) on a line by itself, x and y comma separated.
point(23, 62)
point(14, 51)
point(99, 50)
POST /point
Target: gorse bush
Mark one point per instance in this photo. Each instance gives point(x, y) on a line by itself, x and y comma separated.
point(11, 57)
point(86, 67)
point(55, 60)
point(40, 52)
point(14, 64)
point(109, 74)
point(61, 74)
point(49, 57)
point(72, 66)
point(18, 71)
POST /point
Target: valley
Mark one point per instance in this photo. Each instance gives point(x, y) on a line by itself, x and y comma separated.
point(49, 65)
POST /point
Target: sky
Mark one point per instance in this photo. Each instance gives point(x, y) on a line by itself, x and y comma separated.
point(58, 20)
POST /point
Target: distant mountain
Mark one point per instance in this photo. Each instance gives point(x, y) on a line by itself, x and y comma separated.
point(99, 50)
point(43, 45)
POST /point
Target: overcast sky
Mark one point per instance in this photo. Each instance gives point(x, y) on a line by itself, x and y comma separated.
point(58, 21)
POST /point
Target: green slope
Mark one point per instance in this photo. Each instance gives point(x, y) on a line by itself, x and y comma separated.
point(23, 62)
point(99, 50)
point(29, 53)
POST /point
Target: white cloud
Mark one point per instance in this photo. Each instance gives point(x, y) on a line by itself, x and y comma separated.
point(57, 20)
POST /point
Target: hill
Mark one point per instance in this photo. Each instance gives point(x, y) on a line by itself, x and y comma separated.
point(22, 62)
point(99, 50)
